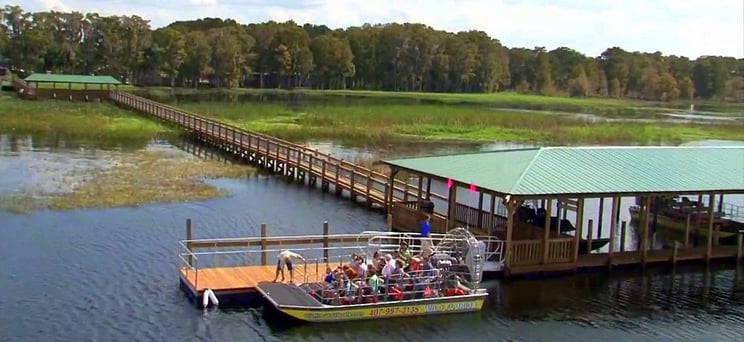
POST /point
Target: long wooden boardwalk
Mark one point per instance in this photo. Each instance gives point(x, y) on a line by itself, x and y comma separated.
point(300, 162)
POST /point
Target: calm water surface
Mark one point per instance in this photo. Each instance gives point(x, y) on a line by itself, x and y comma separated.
point(110, 275)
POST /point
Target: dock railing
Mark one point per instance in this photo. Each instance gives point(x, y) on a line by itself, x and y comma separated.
point(733, 211)
point(318, 250)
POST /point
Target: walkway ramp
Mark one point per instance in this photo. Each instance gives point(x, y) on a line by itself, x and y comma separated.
point(287, 295)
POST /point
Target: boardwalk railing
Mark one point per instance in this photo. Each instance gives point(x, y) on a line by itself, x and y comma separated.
point(302, 162)
point(282, 156)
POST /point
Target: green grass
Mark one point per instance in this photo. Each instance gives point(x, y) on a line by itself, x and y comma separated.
point(101, 123)
point(593, 105)
point(385, 122)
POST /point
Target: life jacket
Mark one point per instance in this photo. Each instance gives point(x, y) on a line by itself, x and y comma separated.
point(396, 293)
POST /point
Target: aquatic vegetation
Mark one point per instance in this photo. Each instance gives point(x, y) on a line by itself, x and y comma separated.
point(375, 123)
point(134, 179)
point(100, 124)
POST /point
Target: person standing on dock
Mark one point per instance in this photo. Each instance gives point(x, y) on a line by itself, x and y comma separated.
point(426, 226)
point(285, 258)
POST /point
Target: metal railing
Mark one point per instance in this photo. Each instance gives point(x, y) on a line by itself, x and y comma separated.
point(411, 285)
point(733, 211)
point(194, 254)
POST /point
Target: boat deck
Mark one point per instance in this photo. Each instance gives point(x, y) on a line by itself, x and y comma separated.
point(241, 279)
point(287, 295)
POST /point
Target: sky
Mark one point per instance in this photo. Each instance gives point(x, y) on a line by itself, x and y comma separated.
point(681, 27)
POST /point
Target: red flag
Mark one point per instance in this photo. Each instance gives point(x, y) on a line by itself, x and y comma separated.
point(449, 183)
point(472, 187)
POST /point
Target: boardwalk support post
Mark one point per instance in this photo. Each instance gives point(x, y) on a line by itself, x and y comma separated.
point(264, 254)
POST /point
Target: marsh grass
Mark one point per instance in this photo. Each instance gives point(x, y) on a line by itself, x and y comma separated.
point(595, 105)
point(382, 122)
point(134, 179)
point(101, 123)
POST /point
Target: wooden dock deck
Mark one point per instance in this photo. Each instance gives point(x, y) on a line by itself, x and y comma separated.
point(242, 279)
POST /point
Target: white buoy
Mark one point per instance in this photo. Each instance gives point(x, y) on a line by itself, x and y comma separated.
point(213, 298)
point(209, 296)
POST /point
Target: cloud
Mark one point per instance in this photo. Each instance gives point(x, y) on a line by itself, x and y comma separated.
point(682, 27)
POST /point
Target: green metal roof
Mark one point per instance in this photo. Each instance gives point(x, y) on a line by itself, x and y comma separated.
point(591, 170)
point(68, 78)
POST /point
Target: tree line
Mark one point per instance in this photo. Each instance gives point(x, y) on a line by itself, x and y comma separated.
point(394, 57)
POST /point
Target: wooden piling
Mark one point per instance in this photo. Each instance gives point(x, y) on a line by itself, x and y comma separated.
point(711, 212)
point(189, 237)
point(579, 225)
point(546, 235)
point(325, 240)
point(589, 236)
point(623, 235)
point(687, 231)
point(674, 253)
point(739, 251)
point(613, 229)
point(264, 246)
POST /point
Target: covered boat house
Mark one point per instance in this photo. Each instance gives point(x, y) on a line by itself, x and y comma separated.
point(560, 209)
point(70, 87)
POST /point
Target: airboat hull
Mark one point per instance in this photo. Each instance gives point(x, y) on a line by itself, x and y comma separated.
point(278, 295)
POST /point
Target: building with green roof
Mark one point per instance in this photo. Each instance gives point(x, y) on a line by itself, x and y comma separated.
point(559, 181)
point(69, 86)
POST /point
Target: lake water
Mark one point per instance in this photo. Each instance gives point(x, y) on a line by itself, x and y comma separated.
point(110, 275)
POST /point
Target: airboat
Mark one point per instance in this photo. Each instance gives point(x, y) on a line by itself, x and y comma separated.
point(436, 274)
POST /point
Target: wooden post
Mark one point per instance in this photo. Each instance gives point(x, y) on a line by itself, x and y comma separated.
point(711, 216)
point(480, 209)
point(325, 240)
point(579, 225)
point(420, 192)
point(405, 191)
point(613, 227)
point(674, 253)
point(546, 232)
point(510, 207)
point(698, 219)
point(600, 218)
point(687, 231)
point(451, 205)
point(644, 229)
point(337, 184)
point(739, 248)
point(623, 234)
point(390, 188)
point(589, 236)
point(492, 212)
point(428, 188)
point(264, 254)
point(368, 198)
point(189, 238)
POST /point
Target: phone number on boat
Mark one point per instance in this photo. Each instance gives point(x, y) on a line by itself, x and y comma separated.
point(395, 311)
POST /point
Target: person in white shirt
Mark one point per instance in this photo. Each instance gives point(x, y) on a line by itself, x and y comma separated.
point(285, 258)
point(389, 267)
